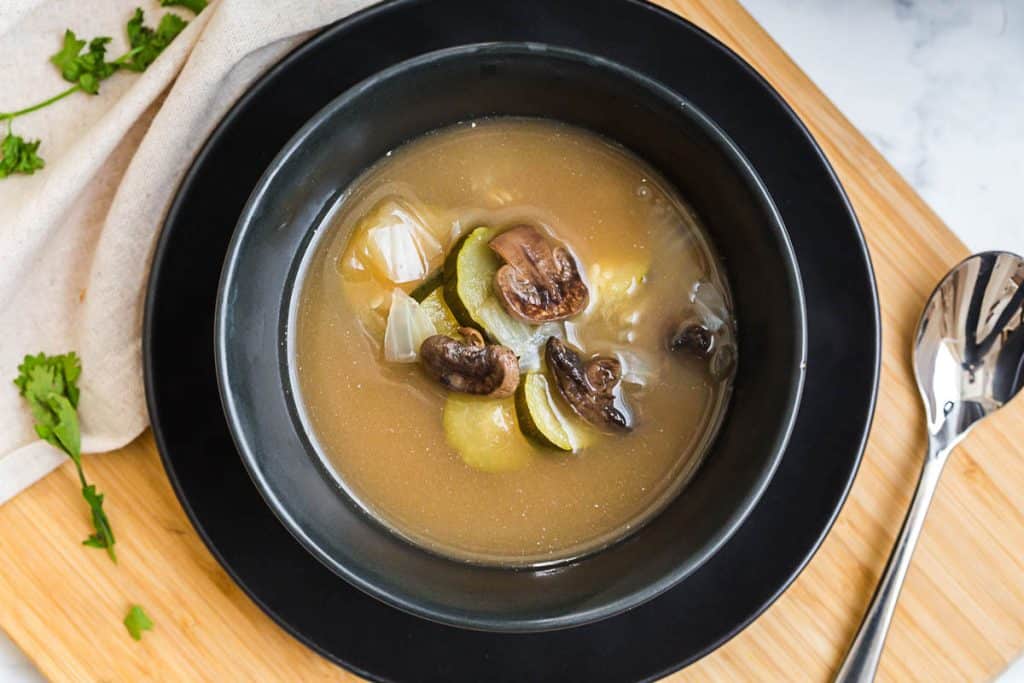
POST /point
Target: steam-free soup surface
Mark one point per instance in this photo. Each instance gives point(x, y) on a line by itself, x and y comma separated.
point(380, 425)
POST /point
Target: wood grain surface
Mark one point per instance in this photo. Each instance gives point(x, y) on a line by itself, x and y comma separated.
point(961, 616)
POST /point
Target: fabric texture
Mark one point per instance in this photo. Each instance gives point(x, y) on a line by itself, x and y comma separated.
point(77, 237)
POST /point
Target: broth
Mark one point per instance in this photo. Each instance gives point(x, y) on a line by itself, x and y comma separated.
point(380, 426)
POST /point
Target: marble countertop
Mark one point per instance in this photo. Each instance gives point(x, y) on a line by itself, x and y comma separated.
point(934, 84)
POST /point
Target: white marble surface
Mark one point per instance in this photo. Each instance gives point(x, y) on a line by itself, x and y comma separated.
point(935, 84)
point(14, 666)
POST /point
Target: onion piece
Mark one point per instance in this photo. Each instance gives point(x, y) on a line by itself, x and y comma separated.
point(527, 341)
point(709, 304)
point(398, 243)
point(408, 326)
point(638, 367)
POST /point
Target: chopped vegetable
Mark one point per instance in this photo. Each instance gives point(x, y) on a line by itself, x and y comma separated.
point(613, 284)
point(483, 431)
point(369, 296)
point(435, 307)
point(526, 340)
point(408, 326)
point(468, 273)
point(540, 417)
point(398, 244)
point(50, 386)
point(369, 263)
point(709, 304)
point(425, 288)
point(137, 621)
point(638, 367)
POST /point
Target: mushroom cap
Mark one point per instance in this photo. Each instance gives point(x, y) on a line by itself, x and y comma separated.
point(539, 282)
point(471, 367)
point(693, 337)
point(589, 388)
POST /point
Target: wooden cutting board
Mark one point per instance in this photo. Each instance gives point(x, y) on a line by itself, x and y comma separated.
point(961, 616)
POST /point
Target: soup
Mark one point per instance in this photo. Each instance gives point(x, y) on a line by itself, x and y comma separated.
point(511, 341)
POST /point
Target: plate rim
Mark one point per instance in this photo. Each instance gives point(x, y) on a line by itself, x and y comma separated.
point(390, 5)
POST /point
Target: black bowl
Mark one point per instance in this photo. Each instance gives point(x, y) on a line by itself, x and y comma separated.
point(440, 89)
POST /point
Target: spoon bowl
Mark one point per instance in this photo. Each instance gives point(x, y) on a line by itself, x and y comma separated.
point(969, 348)
point(968, 362)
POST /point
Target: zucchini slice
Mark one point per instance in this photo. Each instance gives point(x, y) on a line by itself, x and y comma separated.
point(468, 276)
point(538, 416)
point(425, 288)
point(484, 433)
point(437, 310)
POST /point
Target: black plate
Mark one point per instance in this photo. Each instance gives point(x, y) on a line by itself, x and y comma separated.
point(326, 613)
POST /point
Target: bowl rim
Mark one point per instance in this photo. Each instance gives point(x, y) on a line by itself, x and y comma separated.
point(455, 616)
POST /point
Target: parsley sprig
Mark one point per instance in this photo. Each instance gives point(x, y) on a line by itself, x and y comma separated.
point(147, 43)
point(83, 63)
point(137, 621)
point(19, 155)
point(196, 6)
point(49, 384)
point(84, 70)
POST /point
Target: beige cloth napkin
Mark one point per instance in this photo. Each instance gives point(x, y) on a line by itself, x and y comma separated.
point(76, 238)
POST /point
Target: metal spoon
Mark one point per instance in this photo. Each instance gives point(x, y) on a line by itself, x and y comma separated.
point(969, 362)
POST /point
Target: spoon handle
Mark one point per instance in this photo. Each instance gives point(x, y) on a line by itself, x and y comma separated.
point(862, 659)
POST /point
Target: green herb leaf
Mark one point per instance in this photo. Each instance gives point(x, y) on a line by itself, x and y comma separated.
point(42, 377)
point(196, 6)
point(66, 430)
point(71, 368)
point(86, 70)
point(19, 156)
point(136, 622)
point(67, 58)
point(146, 43)
point(49, 384)
point(103, 537)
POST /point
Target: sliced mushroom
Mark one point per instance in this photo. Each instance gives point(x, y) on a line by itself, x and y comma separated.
point(694, 338)
point(588, 387)
point(539, 282)
point(716, 348)
point(471, 367)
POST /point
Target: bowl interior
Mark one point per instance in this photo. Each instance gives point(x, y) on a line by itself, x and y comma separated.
point(440, 89)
